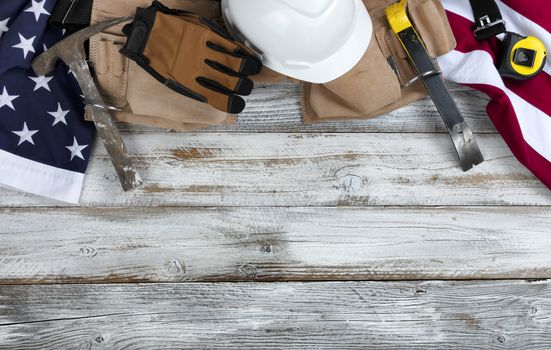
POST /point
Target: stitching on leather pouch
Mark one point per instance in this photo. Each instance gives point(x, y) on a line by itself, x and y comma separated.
point(435, 45)
point(111, 82)
point(110, 74)
point(381, 40)
point(403, 77)
point(114, 55)
point(377, 13)
point(124, 73)
point(395, 52)
point(307, 113)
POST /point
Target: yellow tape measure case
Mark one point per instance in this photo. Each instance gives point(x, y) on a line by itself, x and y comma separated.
point(523, 57)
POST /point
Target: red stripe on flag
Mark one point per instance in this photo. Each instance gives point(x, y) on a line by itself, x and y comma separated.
point(501, 112)
point(538, 11)
point(534, 91)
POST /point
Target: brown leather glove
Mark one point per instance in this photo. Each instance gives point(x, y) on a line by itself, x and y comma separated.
point(192, 55)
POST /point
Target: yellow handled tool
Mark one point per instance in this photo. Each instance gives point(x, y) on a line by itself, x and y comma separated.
point(461, 135)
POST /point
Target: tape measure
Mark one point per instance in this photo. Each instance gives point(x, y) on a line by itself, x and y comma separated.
point(523, 57)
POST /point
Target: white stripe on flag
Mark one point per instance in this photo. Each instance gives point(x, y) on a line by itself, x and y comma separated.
point(515, 22)
point(40, 179)
point(477, 67)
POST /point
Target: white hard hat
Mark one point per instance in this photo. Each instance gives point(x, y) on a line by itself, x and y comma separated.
point(312, 40)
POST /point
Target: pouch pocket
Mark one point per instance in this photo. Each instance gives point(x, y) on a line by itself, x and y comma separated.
point(367, 88)
point(430, 20)
point(397, 56)
point(154, 104)
point(143, 99)
point(111, 68)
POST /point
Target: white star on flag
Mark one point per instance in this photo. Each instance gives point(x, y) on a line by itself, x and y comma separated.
point(38, 9)
point(6, 99)
point(41, 82)
point(25, 135)
point(4, 26)
point(76, 149)
point(26, 45)
point(59, 115)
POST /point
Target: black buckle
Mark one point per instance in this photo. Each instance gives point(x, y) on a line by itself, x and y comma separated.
point(485, 24)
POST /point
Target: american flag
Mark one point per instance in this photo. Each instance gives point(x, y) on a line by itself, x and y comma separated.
point(44, 141)
point(521, 111)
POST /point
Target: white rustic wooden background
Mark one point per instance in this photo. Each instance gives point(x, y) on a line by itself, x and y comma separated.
point(274, 234)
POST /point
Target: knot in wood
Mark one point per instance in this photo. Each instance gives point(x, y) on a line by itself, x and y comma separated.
point(248, 271)
point(177, 267)
point(88, 252)
point(267, 248)
point(99, 339)
point(501, 339)
point(351, 184)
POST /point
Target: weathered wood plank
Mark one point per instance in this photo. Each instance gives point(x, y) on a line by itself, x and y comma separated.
point(277, 109)
point(272, 244)
point(398, 315)
point(306, 170)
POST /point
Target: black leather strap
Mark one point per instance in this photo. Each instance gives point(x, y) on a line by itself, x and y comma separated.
point(72, 15)
point(488, 19)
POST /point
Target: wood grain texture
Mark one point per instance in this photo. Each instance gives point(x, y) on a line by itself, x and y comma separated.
point(399, 315)
point(306, 170)
point(272, 244)
point(276, 108)
point(273, 200)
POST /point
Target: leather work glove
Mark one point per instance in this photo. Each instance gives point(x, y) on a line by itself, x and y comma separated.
point(192, 55)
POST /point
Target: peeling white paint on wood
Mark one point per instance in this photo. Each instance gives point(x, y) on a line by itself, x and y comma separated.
point(392, 315)
point(236, 244)
point(289, 202)
point(256, 168)
point(306, 170)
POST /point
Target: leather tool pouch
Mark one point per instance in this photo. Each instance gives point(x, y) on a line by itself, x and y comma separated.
point(378, 83)
point(125, 85)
